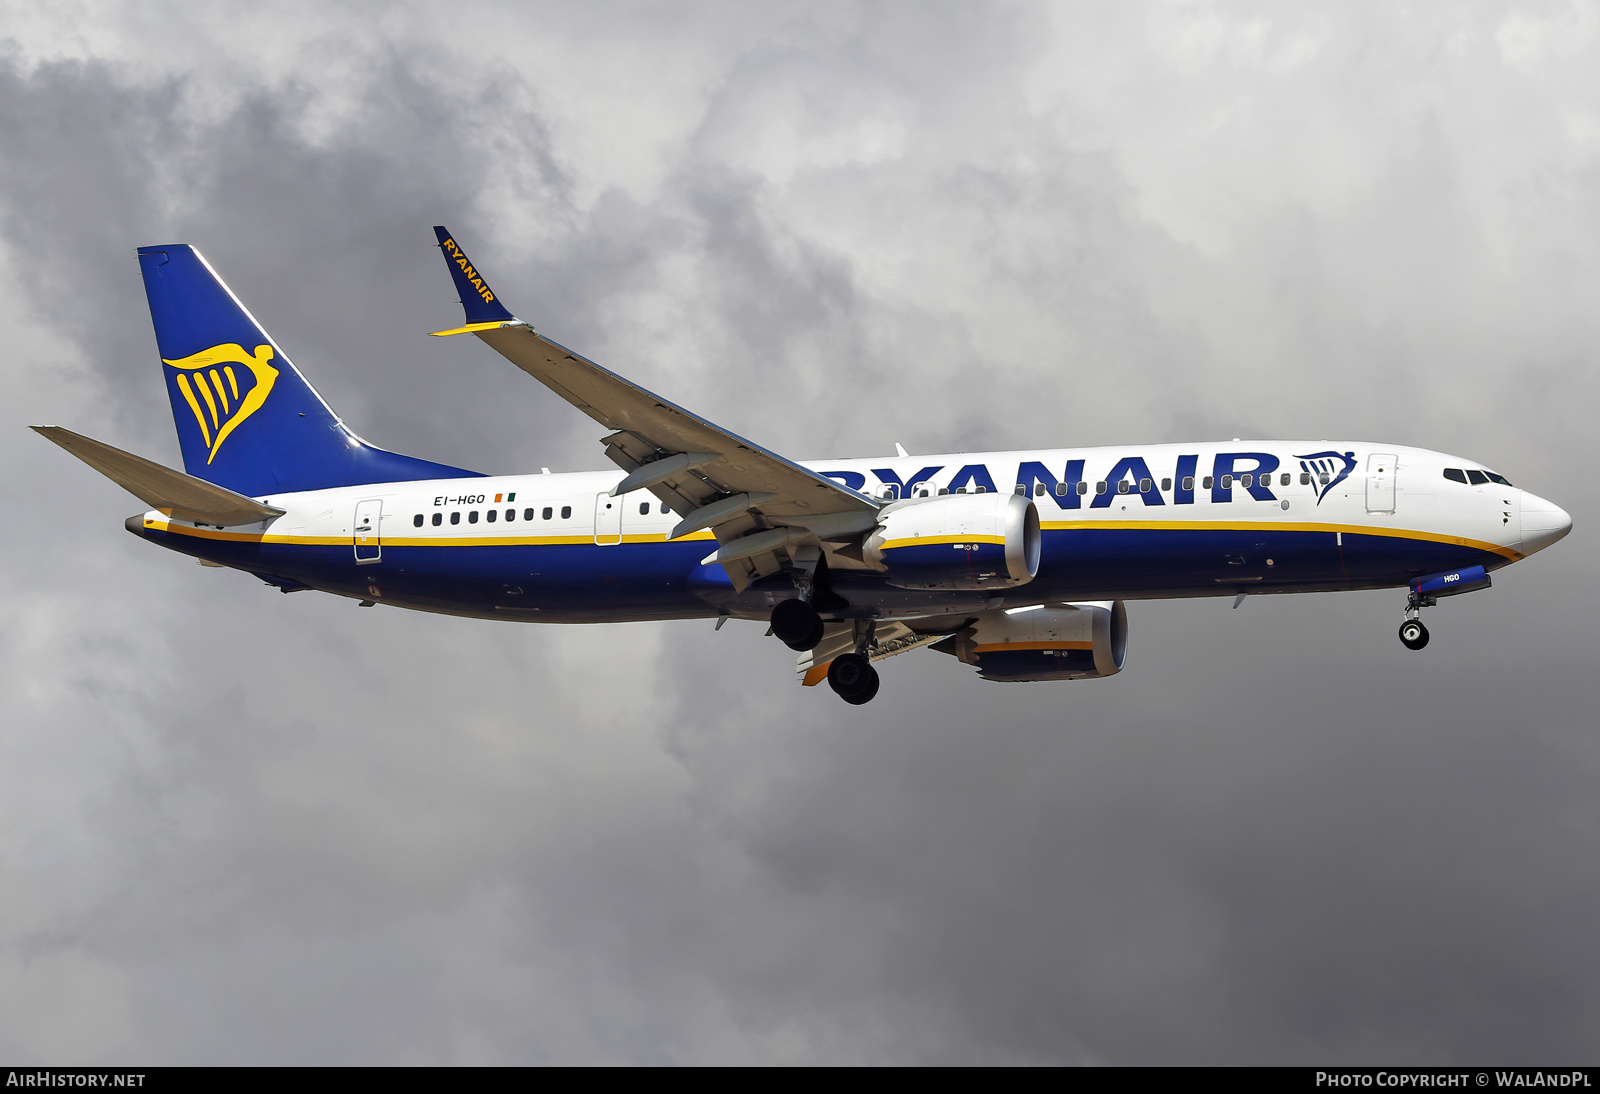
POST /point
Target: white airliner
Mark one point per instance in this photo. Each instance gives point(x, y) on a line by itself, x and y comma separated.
point(1016, 563)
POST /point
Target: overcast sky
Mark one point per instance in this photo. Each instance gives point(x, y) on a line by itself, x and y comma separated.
point(238, 826)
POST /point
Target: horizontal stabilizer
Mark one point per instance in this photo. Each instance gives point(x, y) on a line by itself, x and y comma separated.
point(174, 492)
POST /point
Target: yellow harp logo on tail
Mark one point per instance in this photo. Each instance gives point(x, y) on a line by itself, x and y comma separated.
point(208, 377)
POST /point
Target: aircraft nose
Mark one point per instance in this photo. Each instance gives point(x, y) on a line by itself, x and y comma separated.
point(1543, 522)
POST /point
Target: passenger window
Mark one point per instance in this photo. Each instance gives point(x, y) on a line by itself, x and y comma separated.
point(1283, 479)
point(472, 517)
point(980, 489)
point(438, 519)
point(1188, 482)
point(1305, 478)
point(1206, 482)
point(1122, 486)
point(1166, 484)
point(492, 515)
point(1022, 488)
point(511, 514)
point(1038, 489)
point(1245, 481)
point(1324, 478)
point(455, 518)
point(1145, 486)
point(1100, 487)
point(416, 521)
point(943, 490)
point(663, 508)
point(548, 512)
point(1501, 479)
point(528, 514)
point(1083, 487)
point(1477, 478)
point(644, 509)
point(566, 511)
point(1061, 489)
point(1227, 482)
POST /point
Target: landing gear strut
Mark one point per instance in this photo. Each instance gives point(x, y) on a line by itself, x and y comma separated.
point(1413, 635)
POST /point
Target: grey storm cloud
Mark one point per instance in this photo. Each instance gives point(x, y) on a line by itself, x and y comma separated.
point(237, 826)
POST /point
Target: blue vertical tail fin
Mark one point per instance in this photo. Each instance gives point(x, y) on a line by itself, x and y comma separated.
point(246, 418)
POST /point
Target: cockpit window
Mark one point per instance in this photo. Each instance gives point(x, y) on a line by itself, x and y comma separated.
point(1477, 478)
point(1455, 474)
point(1501, 479)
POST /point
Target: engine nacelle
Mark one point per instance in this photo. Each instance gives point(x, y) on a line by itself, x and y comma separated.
point(956, 541)
point(1065, 642)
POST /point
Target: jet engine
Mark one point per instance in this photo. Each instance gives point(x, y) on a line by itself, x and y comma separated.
point(956, 541)
point(1061, 642)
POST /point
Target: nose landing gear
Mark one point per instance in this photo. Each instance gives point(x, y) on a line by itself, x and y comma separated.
point(1413, 635)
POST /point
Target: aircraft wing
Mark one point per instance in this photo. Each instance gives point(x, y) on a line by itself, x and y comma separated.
point(160, 487)
point(758, 504)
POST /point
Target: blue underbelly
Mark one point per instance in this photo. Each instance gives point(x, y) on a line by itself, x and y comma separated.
point(660, 580)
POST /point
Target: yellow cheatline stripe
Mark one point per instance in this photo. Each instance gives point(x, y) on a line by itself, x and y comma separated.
point(194, 405)
point(1033, 646)
point(936, 541)
point(468, 329)
point(403, 541)
point(1276, 526)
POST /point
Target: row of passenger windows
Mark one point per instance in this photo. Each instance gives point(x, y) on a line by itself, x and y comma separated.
point(1126, 486)
point(492, 515)
point(1474, 477)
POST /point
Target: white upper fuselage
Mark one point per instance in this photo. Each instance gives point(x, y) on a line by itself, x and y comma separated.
point(574, 508)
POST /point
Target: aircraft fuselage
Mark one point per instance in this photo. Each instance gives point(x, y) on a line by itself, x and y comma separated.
point(559, 548)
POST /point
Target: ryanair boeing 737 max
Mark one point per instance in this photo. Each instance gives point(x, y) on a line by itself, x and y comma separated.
point(1016, 563)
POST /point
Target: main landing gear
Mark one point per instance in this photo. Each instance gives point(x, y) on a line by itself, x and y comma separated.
point(1413, 635)
point(853, 679)
point(797, 625)
point(850, 675)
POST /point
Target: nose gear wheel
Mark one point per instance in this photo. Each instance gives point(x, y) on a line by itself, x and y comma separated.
point(1413, 634)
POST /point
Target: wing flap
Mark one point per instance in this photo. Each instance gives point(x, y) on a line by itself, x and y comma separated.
point(890, 637)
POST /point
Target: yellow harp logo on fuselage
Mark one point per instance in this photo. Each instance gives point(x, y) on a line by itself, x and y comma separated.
point(216, 385)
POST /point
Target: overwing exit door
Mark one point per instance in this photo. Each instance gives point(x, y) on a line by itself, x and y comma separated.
point(607, 520)
point(1380, 482)
point(368, 541)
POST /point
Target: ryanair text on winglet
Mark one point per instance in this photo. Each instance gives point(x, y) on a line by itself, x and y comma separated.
point(460, 259)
